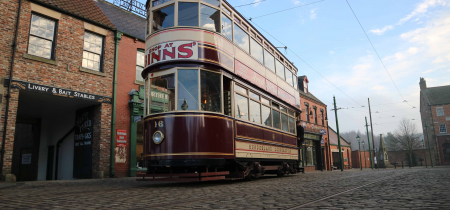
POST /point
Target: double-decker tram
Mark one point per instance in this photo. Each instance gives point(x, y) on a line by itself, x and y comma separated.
point(221, 101)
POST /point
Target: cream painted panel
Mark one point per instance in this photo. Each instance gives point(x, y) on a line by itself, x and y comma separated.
point(249, 61)
point(254, 150)
point(271, 76)
point(285, 86)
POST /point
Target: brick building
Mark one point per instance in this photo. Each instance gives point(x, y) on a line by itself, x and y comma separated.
point(130, 63)
point(58, 107)
point(345, 148)
point(314, 122)
point(435, 110)
point(363, 155)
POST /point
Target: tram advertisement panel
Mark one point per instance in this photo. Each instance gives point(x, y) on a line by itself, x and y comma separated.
point(255, 150)
point(84, 130)
point(175, 50)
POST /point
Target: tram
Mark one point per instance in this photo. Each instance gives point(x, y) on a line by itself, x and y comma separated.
point(221, 101)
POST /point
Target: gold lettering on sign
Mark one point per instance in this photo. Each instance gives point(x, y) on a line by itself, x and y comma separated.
point(267, 148)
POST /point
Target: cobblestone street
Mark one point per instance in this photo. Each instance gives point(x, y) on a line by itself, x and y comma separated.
point(416, 188)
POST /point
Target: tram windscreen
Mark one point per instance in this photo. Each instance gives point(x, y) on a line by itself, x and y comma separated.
point(162, 97)
point(210, 84)
point(188, 89)
point(209, 18)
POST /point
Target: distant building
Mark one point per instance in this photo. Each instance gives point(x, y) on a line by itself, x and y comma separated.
point(345, 148)
point(435, 109)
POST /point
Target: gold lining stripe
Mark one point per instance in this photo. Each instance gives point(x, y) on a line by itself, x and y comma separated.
point(275, 142)
point(219, 50)
point(210, 116)
point(213, 61)
point(189, 153)
point(265, 129)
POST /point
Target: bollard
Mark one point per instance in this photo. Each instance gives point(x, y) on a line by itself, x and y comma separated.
point(402, 164)
point(395, 164)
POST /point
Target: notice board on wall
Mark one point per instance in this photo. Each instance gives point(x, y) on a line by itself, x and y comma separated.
point(84, 131)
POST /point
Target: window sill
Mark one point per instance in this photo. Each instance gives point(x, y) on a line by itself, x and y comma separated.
point(137, 82)
point(82, 69)
point(40, 59)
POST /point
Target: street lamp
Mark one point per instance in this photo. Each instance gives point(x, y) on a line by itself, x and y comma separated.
point(365, 165)
point(359, 138)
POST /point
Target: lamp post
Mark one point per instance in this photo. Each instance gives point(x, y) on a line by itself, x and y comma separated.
point(365, 164)
point(359, 138)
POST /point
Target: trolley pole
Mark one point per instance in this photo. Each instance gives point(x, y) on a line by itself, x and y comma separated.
point(371, 130)
point(429, 148)
point(368, 142)
point(338, 135)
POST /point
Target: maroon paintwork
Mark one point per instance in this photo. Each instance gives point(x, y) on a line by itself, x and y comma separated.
point(190, 136)
point(254, 132)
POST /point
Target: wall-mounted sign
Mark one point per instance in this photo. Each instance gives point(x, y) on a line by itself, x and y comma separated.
point(176, 50)
point(121, 138)
point(323, 131)
point(137, 118)
point(26, 158)
point(59, 91)
point(311, 136)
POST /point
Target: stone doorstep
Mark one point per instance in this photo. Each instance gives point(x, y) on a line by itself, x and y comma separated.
point(9, 178)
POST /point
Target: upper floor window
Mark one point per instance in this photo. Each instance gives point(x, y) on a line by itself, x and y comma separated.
point(443, 128)
point(227, 27)
point(307, 112)
point(323, 117)
point(209, 18)
point(257, 50)
point(241, 38)
point(42, 37)
point(140, 65)
point(92, 51)
point(163, 18)
point(269, 61)
point(280, 69)
point(440, 111)
point(315, 115)
point(289, 77)
point(187, 14)
point(305, 86)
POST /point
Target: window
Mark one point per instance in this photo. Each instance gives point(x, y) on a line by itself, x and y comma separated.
point(187, 14)
point(257, 51)
point(241, 107)
point(226, 10)
point(209, 18)
point(283, 109)
point(291, 125)
point(307, 112)
point(227, 106)
point(276, 119)
point(280, 69)
point(240, 89)
point(163, 18)
point(92, 51)
point(443, 128)
point(315, 115)
point(440, 111)
point(187, 89)
point(210, 86)
point(266, 117)
point(265, 101)
point(305, 86)
point(294, 77)
point(255, 112)
point(241, 38)
point(162, 94)
point(139, 65)
point(254, 96)
point(284, 122)
point(323, 118)
point(289, 77)
point(215, 3)
point(42, 40)
point(269, 61)
point(226, 27)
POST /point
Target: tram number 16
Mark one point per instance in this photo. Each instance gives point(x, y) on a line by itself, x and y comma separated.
point(159, 124)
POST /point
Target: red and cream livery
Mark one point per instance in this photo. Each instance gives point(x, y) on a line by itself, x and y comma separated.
point(230, 98)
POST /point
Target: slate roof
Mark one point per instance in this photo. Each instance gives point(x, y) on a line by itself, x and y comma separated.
point(311, 96)
point(334, 140)
point(437, 95)
point(84, 8)
point(124, 21)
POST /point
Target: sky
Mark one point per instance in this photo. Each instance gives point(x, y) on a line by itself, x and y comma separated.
point(412, 38)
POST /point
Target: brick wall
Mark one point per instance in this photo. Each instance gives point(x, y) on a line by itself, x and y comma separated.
point(356, 156)
point(346, 153)
point(126, 75)
point(419, 154)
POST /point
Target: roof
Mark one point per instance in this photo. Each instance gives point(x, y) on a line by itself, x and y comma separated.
point(83, 8)
point(311, 96)
point(125, 21)
point(334, 140)
point(437, 95)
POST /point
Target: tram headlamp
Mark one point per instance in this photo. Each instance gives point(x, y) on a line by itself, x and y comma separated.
point(158, 137)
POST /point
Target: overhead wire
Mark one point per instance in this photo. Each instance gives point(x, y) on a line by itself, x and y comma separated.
point(256, 2)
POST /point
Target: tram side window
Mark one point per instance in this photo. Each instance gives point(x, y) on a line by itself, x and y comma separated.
point(163, 18)
point(227, 96)
point(241, 38)
point(257, 50)
point(188, 89)
point(269, 60)
point(291, 125)
point(294, 76)
point(187, 14)
point(276, 119)
point(162, 94)
point(289, 77)
point(255, 112)
point(280, 70)
point(241, 107)
point(266, 116)
point(226, 27)
point(284, 122)
point(209, 18)
point(210, 86)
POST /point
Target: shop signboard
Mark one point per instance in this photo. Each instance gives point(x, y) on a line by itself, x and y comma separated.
point(84, 130)
point(168, 51)
point(121, 138)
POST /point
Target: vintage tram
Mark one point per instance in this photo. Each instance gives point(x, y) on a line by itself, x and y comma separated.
point(221, 101)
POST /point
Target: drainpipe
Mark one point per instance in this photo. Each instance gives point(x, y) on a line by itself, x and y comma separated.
point(8, 95)
point(118, 37)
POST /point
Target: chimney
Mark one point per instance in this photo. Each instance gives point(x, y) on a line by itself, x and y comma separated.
point(423, 84)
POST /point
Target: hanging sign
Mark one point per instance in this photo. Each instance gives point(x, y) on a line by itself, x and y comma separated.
point(121, 138)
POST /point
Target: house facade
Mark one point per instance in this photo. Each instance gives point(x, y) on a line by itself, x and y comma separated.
point(346, 150)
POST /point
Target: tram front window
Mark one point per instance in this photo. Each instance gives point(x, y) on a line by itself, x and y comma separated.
point(209, 18)
point(188, 89)
point(163, 18)
point(162, 97)
point(187, 14)
point(210, 84)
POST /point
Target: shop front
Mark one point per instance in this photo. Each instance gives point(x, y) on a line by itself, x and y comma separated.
point(311, 153)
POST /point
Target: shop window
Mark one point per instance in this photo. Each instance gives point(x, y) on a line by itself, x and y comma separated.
point(210, 86)
point(256, 50)
point(255, 112)
point(162, 94)
point(163, 18)
point(269, 61)
point(215, 3)
point(284, 122)
point(289, 77)
point(226, 27)
point(241, 38)
point(42, 37)
point(440, 111)
point(280, 69)
point(92, 51)
point(140, 65)
point(241, 107)
point(442, 128)
point(209, 18)
point(291, 125)
point(187, 14)
point(276, 119)
point(187, 89)
point(266, 116)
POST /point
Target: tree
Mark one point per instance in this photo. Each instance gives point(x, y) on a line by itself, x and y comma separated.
point(405, 137)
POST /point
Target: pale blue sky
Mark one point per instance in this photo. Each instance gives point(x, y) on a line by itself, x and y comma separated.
point(411, 36)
